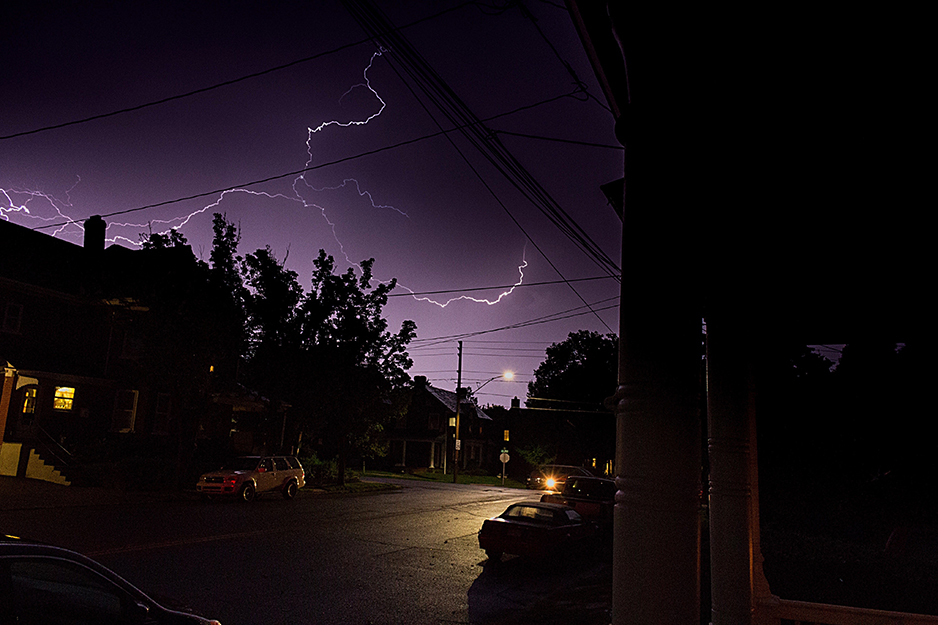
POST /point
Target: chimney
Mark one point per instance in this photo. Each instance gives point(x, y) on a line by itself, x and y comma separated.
point(94, 233)
point(515, 403)
point(420, 381)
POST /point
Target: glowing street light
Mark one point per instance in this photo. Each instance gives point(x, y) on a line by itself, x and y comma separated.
point(507, 376)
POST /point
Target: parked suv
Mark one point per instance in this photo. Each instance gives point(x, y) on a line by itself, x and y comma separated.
point(249, 476)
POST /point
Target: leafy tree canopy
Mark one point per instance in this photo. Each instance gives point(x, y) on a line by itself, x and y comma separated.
point(582, 369)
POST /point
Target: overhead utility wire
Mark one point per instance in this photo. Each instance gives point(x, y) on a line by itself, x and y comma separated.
point(501, 286)
point(558, 140)
point(455, 110)
point(226, 83)
point(566, 314)
point(305, 169)
point(484, 139)
point(576, 79)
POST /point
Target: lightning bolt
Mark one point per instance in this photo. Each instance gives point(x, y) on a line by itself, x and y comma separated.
point(477, 300)
point(18, 201)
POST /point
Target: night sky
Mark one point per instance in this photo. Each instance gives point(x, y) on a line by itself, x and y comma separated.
point(420, 209)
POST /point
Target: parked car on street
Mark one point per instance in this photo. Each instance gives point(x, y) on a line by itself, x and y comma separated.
point(533, 529)
point(553, 476)
point(594, 498)
point(50, 585)
point(249, 476)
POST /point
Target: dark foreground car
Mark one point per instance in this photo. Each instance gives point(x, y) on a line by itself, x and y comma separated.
point(554, 476)
point(53, 586)
point(533, 529)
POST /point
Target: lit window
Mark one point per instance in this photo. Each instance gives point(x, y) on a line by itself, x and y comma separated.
point(29, 401)
point(64, 398)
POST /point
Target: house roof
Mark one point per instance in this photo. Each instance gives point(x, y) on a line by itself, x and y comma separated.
point(448, 399)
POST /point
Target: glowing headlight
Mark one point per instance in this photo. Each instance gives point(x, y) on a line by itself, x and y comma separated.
point(550, 482)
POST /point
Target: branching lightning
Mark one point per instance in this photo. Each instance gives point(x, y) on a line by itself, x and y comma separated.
point(501, 296)
point(18, 201)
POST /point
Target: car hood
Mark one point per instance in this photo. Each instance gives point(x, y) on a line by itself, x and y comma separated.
point(224, 473)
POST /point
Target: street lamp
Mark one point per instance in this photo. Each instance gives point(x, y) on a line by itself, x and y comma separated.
point(508, 375)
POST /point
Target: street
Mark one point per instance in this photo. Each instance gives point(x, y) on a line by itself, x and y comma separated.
point(405, 556)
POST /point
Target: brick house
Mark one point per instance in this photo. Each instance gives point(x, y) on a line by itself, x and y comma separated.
point(423, 437)
point(85, 358)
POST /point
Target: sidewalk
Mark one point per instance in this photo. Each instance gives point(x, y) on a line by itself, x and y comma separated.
point(19, 493)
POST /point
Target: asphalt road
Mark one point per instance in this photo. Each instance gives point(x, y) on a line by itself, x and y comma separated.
point(408, 556)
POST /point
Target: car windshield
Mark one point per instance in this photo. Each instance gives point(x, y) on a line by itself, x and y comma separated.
point(530, 514)
point(241, 464)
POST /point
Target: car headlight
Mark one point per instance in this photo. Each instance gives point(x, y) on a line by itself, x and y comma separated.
point(550, 482)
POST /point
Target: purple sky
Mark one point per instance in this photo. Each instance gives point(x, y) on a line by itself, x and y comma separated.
point(419, 210)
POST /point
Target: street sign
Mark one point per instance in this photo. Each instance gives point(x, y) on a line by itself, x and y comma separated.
point(458, 444)
point(504, 458)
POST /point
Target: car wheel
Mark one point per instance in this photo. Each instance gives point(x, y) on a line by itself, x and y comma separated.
point(494, 556)
point(247, 492)
point(289, 491)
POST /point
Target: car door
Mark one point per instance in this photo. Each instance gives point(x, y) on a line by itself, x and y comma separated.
point(265, 475)
point(282, 470)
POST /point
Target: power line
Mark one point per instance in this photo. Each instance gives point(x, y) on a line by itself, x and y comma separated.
point(306, 169)
point(558, 140)
point(451, 106)
point(503, 286)
point(226, 83)
point(567, 314)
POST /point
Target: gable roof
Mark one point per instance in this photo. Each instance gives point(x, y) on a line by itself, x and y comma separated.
point(448, 399)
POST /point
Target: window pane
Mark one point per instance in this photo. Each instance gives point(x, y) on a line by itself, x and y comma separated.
point(64, 398)
point(29, 401)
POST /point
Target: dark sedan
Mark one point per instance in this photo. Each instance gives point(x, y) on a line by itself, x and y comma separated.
point(45, 584)
point(533, 529)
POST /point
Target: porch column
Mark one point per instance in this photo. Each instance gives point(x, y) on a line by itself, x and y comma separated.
point(656, 543)
point(728, 404)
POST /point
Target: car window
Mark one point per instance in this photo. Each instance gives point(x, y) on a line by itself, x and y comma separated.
point(530, 513)
point(294, 463)
point(47, 590)
point(265, 464)
point(281, 464)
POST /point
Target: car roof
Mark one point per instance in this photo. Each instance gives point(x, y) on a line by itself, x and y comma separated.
point(541, 504)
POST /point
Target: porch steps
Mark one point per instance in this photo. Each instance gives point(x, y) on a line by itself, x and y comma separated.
point(39, 469)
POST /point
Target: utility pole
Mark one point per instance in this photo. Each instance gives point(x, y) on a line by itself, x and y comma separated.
point(458, 398)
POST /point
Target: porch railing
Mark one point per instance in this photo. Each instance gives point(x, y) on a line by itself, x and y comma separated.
point(786, 612)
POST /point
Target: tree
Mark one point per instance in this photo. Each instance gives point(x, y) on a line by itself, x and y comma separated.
point(580, 369)
point(356, 369)
point(272, 302)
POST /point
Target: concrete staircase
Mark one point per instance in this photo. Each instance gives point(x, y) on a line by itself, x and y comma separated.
point(39, 469)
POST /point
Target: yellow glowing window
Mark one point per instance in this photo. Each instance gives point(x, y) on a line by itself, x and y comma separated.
point(64, 398)
point(29, 401)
